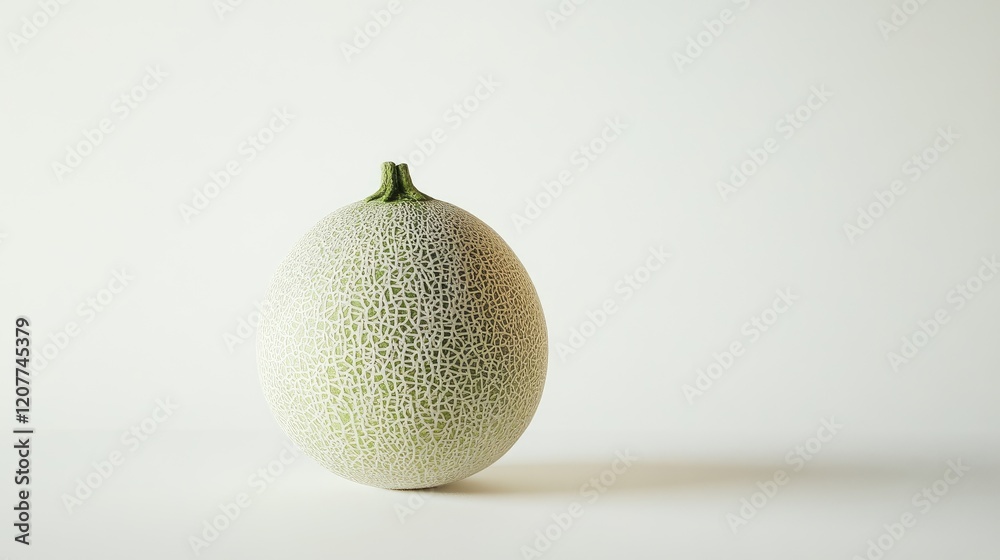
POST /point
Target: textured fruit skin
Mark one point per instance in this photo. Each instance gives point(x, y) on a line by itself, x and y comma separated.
point(404, 344)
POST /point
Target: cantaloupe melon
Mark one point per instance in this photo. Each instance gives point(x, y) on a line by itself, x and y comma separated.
point(404, 344)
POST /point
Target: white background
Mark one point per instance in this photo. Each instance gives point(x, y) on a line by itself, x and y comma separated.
point(179, 331)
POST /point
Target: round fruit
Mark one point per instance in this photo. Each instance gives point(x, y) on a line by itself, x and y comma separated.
point(404, 344)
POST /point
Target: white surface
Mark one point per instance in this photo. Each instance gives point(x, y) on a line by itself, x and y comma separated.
point(673, 506)
point(62, 239)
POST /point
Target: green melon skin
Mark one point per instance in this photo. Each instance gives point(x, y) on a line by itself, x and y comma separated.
point(404, 346)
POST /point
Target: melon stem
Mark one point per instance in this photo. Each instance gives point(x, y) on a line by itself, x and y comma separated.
point(397, 185)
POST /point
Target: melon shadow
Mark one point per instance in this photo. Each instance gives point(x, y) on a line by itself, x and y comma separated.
point(653, 476)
